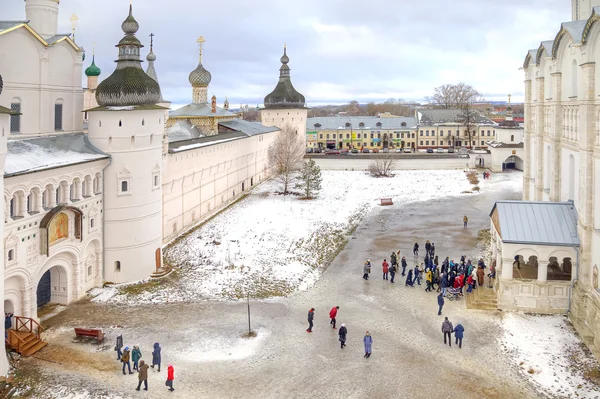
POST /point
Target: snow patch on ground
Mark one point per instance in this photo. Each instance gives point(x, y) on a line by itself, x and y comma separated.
point(547, 350)
point(271, 245)
point(222, 348)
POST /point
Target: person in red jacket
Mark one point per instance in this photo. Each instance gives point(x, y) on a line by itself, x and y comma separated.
point(170, 377)
point(386, 269)
point(332, 314)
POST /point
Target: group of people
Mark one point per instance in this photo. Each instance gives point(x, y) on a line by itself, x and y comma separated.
point(449, 277)
point(342, 332)
point(125, 356)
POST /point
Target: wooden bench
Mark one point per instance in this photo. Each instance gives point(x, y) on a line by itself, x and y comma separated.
point(387, 201)
point(90, 333)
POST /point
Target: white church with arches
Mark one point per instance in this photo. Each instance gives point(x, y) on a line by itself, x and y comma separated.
point(87, 206)
point(547, 247)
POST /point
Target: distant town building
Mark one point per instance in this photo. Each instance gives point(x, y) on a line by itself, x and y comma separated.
point(443, 128)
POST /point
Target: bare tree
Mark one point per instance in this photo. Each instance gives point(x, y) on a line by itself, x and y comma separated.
point(453, 96)
point(285, 156)
point(466, 99)
point(382, 166)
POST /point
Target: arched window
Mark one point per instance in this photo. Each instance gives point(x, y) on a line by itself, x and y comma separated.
point(118, 266)
point(120, 123)
point(15, 120)
point(143, 122)
point(58, 115)
point(124, 186)
point(11, 255)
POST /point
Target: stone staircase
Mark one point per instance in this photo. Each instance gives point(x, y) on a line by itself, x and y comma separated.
point(161, 272)
point(482, 298)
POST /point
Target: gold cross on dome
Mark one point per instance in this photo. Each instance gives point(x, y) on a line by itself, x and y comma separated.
point(201, 42)
point(509, 99)
point(74, 20)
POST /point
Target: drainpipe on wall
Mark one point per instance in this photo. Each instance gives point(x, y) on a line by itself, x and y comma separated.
point(575, 279)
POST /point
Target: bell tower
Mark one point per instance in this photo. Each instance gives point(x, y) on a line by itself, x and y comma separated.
point(42, 16)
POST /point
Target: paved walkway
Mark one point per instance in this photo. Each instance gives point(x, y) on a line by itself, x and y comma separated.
point(409, 359)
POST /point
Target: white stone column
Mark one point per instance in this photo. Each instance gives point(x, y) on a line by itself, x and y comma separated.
point(539, 135)
point(507, 269)
point(52, 197)
point(23, 208)
point(78, 190)
point(38, 207)
point(542, 271)
point(99, 262)
point(76, 281)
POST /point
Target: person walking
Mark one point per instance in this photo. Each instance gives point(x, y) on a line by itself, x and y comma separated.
point(465, 221)
point(125, 360)
point(427, 248)
point(392, 273)
point(332, 314)
point(416, 250)
point(156, 357)
point(394, 259)
point(367, 269)
point(136, 354)
point(443, 283)
point(404, 264)
point(447, 329)
point(119, 346)
point(368, 341)
point(440, 303)
point(311, 316)
point(386, 267)
point(342, 333)
point(432, 250)
point(459, 331)
point(409, 278)
point(428, 279)
point(417, 275)
point(480, 276)
point(470, 283)
point(143, 376)
point(170, 377)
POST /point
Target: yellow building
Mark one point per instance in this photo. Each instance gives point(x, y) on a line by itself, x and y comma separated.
point(346, 132)
point(441, 128)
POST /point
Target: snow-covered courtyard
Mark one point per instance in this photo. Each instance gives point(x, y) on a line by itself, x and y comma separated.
point(271, 245)
point(504, 355)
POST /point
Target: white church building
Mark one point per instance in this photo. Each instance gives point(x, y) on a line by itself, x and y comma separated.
point(86, 207)
point(547, 248)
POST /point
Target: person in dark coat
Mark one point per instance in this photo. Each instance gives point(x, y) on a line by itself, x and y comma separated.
point(443, 283)
point(125, 359)
point(404, 264)
point(143, 376)
point(447, 329)
point(392, 272)
point(342, 333)
point(459, 331)
point(136, 354)
point(7, 323)
point(368, 341)
point(409, 278)
point(394, 259)
point(440, 303)
point(432, 250)
point(427, 247)
point(417, 275)
point(156, 358)
point(119, 346)
point(416, 249)
point(311, 316)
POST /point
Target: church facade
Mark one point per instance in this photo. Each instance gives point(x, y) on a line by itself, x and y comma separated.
point(82, 208)
point(562, 157)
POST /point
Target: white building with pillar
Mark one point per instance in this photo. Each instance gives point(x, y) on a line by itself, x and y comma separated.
point(84, 208)
point(562, 153)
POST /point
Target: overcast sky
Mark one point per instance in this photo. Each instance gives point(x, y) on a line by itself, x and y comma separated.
point(340, 50)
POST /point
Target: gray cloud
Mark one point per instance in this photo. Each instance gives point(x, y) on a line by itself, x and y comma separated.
point(340, 50)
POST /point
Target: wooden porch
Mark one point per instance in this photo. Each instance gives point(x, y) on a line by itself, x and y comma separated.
point(25, 338)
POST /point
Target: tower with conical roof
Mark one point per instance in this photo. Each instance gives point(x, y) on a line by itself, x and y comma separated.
point(89, 94)
point(285, 107)
point(129, 125)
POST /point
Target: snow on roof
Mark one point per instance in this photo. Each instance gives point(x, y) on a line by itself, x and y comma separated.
point(40, 153)
point(185, 145)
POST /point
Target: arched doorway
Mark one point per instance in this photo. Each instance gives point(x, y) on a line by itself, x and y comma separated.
point(512, 162)
point(53, 287)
